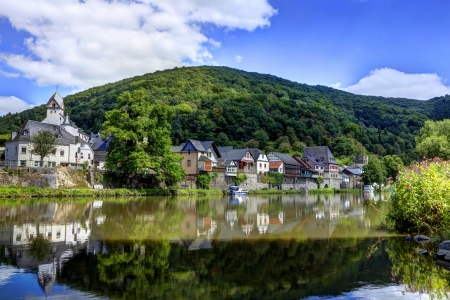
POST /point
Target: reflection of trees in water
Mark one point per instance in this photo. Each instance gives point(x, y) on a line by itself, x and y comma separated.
point(261, 269)
point(39, 247)
point(419, 273)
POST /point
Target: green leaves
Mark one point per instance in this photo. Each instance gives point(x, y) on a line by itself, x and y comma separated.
point(141, 139)
point(44, 143)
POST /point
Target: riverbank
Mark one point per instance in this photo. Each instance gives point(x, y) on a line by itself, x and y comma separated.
point(36, 192)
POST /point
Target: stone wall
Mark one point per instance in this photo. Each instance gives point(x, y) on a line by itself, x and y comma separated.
point(28, 179)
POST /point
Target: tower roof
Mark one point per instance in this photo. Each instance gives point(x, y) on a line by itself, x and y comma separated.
point(56, 98)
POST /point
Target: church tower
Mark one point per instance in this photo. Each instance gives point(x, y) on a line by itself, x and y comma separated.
point(55, 110)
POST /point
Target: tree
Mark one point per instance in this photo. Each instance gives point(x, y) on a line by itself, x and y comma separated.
point(141, 139)
point(374, 172)
point(392, 164)
point(434, 139)
point(44, 143)
point(319, 181)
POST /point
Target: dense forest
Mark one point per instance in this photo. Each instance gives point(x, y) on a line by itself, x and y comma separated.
point(239, 108)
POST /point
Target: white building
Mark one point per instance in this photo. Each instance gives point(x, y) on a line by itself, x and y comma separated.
point(72, 143)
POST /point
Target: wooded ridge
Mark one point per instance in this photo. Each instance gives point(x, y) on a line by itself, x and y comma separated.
point(239, 108)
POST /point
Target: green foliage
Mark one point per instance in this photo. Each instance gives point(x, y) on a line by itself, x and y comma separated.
point(392, 164)
point(44, 143)
point(141, 139)
point(421, 199)
point(274, 178)
point(204, 180)
point(374, 172)
point(319, 181)
point(226, 105)
point(3, 138)
point(239, 178)
point(434, 139)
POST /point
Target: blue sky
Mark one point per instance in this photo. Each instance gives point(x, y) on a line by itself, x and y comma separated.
point(388, 48)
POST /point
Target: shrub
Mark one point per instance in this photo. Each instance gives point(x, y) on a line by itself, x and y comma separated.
point(421, 198)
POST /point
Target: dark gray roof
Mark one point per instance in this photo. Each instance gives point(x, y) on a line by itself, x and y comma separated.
point(176, 148)
point(321, 153)
point(204, 158)
point(286, 159)
point(236, 154)
point(34, 127)
point(354, 171)
point(255, 153)
point(224, 150)
point(206, 145)
point(314, 160)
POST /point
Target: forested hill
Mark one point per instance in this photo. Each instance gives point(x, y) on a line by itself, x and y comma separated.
point(242, 108)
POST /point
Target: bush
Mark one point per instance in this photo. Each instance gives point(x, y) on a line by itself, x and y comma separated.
point(421, 198)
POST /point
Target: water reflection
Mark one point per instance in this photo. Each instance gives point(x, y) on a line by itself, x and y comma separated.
point(251, 247)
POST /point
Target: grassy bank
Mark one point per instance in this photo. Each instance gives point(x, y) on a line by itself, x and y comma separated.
point(32, 192)
point(321, 191)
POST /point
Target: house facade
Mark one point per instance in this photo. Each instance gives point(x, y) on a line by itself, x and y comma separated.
point(321, 157)
point(72, 146)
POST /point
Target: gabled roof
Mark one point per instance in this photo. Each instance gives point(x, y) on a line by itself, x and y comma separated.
point(287, 159)
point(229, 163)
point(301, 162)
point(193, 145)
point(236, 154)
point(31, 128)
point(256, 153)
point(58, 99)
point(321, 153)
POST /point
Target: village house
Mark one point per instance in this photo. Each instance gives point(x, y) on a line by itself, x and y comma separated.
point(198, 157)
point(262, 162)
point(72, 143)
point(323, 161)
point(291, 168)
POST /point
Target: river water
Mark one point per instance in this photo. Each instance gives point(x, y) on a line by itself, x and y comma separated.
point(257, 247)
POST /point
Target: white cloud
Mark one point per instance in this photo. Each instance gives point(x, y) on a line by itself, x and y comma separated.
point(12, 104)
point(336, 85)
point(238, 58)
point(388, 82)
point(81, 44)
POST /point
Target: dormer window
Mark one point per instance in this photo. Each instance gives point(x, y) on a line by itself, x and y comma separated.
point(25, 132)
point(54, 105)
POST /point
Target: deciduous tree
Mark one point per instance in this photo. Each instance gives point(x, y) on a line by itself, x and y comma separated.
point(141, 139)
point(43, 143)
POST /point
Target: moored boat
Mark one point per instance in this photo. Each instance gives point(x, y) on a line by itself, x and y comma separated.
point(236, 190)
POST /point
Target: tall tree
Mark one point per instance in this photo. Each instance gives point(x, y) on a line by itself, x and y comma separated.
point(44, 143)
point(141, 139)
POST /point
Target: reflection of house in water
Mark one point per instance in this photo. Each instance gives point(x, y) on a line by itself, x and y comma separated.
point(20, 225)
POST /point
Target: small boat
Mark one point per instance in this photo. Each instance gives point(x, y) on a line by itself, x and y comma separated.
point(236, 190)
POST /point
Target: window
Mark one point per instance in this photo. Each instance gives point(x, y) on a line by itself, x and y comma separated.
point(61, 152)
point(18, 237)
point(24, 150)
point(89, 156)
point(23, 163)
point(49, 235)
point(260, 165)
point(189, 163)
point(58, 234)
point(25, 132)
point(36, 163)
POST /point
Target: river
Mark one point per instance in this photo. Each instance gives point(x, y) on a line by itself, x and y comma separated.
point(256, 247)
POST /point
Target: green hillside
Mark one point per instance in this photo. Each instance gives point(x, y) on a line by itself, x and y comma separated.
point(234, 107)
